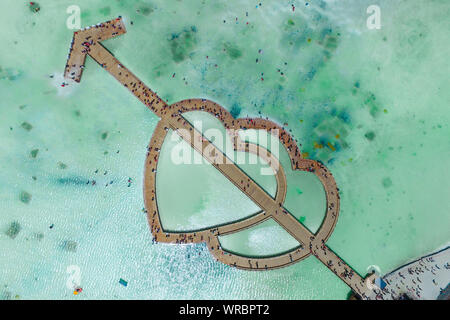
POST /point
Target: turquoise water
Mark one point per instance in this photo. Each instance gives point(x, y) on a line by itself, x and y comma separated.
point(379, 97)
point(265, 239)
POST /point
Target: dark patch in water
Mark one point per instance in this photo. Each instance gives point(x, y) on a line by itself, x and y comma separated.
point(34, 153)
point(145, 10)
point(13, 230)
point(182, 44)
point(39, 236)
point(104, 135)
point(371, 103)
point(76, 181)
point(232, 50)
point(355, 88)
point(328, 134)
point(310, 74)
point(62, 165)
point(25, 197)
point(331, 43)
point(10, 74)
point(26, 126)
point(69, 245)
point(325, 32)
point(344, 116)
point(370, 135)
point(235, 110)
point(387, 182)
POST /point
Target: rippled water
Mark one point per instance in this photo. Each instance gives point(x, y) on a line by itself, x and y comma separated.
point(72, 157)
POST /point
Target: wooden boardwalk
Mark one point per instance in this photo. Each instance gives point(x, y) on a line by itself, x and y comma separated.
point(87, 42)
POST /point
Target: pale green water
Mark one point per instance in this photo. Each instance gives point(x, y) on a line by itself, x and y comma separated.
point(265, 239)
point(385, 92)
